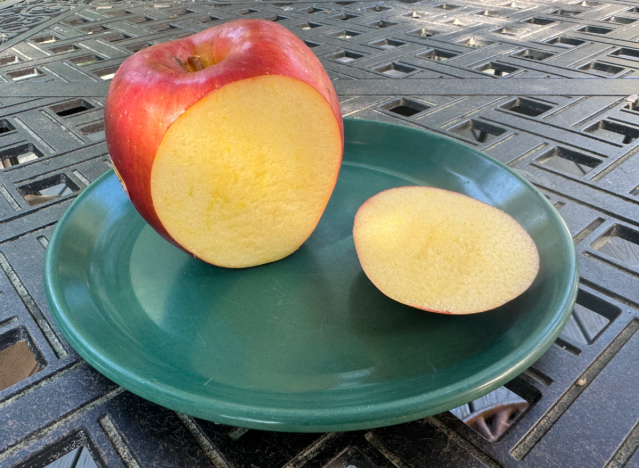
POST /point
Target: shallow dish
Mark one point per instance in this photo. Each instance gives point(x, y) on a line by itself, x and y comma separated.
point(305, 344)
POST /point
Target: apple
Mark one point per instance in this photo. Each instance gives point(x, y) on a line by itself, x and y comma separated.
point(442, 251)
point(228, 142)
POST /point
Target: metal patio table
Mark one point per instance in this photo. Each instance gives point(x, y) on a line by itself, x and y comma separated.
point(546, 87)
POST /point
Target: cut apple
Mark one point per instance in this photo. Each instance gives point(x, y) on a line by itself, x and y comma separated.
point(243, 176)
point(442, 251)
point(228, 142)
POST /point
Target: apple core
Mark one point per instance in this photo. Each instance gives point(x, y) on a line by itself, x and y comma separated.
point(242, 177)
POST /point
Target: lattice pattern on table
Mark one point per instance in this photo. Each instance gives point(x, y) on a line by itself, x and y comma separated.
point(579, 150)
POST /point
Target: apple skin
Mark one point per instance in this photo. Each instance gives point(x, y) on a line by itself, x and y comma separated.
point(152, 88)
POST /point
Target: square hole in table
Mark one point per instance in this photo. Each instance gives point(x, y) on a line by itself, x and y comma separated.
point(69, 108)
point(344, 34)
point(139, 19)
point(64, 48)
point(478, 131)
point(177, 12)
point(620, 20)
point(565, 42)
point(533, 54)
point(205, 19)
point(116, 13)
point(614, 131)
point(351, 457)
point(311, 44)
point(8, 60)
point(17, 155)
point(25, 74)
point(75, 21)
point(492, 13)
point(137, 46)
point(115, 37)
point(540, 21)
point(75, 450)
point(511, 30)
point(633, 106)
point(568, 13)
point(46, 190)
point(387, 43)
point(94, 29)
point(84, 60)
point(497, 69)
point(108, 73)
point(276, 18)
point(377, 8)
point(405, 107)
point(344, 56)
point(526, 107)
point(424, 32)
point(587, 3)
point(344, 17)
point(516, 5)
point(492, 414)
point(381, 24)
point(395, 70)
point(313, 10)
point(46, 39)
point(19, 357)
point(308, 25)
point(437, 55)
point(6, 126)
point(620, 242)
point(595, 30)
point(94, 131)
point(603, 69)
point(590, 317)
point(462, 22)
point(626, 53)
point(160, 27)
point(475, 42)
point(568, 161)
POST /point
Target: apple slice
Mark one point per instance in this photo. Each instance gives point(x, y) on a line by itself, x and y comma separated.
point(442, 251)
point(228, 142)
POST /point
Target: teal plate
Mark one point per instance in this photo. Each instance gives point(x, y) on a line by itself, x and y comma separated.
point(305, 344)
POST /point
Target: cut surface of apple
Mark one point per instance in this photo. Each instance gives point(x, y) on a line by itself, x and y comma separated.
point(442, 251)
point(243, 176)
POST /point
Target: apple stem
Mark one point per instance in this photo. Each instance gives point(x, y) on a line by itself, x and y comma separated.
point(193, 64)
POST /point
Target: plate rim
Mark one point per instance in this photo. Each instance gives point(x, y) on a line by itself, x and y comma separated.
point(316, 420)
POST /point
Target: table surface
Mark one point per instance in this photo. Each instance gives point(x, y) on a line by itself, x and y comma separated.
point(545, 87)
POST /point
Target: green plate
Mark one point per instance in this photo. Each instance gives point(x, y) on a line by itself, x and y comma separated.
point(305, 344)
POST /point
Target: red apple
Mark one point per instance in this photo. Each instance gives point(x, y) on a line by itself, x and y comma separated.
point(228, 142)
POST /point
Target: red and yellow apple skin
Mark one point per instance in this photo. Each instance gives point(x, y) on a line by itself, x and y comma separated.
point(155, 86)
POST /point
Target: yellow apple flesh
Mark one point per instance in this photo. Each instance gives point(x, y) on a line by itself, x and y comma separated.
point(442, 251)
point(243, 176)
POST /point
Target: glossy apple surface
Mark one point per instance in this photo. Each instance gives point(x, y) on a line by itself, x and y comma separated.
point(228, 142)
point(442, 251)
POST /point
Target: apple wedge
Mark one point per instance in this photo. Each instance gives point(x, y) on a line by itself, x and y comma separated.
point(442, 251)
point(228, 142)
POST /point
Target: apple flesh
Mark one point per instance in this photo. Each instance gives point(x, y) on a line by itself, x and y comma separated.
point(228, 142)
point(442, 251)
